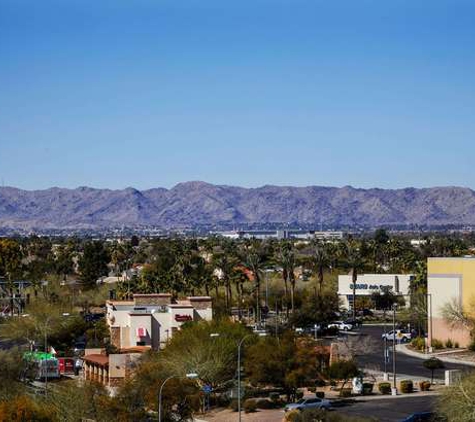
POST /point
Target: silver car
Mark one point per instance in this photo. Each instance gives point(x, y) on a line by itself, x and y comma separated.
point(309, 403)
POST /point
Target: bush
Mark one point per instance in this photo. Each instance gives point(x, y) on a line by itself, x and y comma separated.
point(449, 344)
point(275, 397)
point(345, 392)
point(437, 344)
point(418, 343)
point(406, 386)
point(293, 416)
point(233, 405)
point(384, 387)
point(424, 385)
point(320, 383)
point(320, 394)
point(264, 404)
point(367, 388)
point(249, 406)
point(312, 389)
point(456, 345)
point(471, 346)
point(298, 394)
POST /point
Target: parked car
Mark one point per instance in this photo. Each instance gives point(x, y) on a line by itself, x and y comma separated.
point(308, 403)
point(343, 326)
point(398, 335)
point(364, 312)
point(354, 322)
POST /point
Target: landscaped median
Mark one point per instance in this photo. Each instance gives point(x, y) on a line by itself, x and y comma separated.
point(457, 356)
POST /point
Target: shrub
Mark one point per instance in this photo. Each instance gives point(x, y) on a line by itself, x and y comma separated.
point(233, 405)
point(456, 345)
point(275, 397)
point(264, 404)
point(298, 394)
point(312, 389)
point(249, 406)
point(293, 416)
point(406, 386)
point(471, 346)
point(384, 387)
point(449, 344)
point(320, 394)
point(320, 383)
point(345, 392)
point(437, 344)
point(418, 343)
point(367, 388)
point(424, 385)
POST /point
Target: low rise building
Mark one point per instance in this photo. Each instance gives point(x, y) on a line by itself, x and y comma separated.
point(110, 370)
point(367, 284)
point(450, 281)
point(152, 319)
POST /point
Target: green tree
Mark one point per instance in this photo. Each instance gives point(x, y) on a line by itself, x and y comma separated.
point(343, 370)
point(433, 364)
point(282, 362)
point(93, 263)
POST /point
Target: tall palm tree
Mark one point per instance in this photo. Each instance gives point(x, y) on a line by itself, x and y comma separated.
point(353, 259)
point(254, 262)
point(226, 261)
point(322, 261)
point(287, 261)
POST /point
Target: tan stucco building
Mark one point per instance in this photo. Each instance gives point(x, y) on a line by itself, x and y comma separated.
point(449, 280)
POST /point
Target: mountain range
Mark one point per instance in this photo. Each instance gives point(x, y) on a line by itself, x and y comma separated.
point(197, 204)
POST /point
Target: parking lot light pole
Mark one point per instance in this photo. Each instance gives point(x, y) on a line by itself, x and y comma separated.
point(239, 346)
point(189, 376)
point(394, 389)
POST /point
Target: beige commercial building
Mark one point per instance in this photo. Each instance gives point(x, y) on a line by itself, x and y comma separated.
point(449, 281)
point(152, 319)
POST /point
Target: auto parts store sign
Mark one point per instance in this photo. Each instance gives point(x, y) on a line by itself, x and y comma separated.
point(365, 286)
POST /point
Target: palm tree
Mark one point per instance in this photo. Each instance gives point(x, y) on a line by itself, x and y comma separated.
point(322, 261)
point(353, 259)
point(287, 261)
point(254, 262)
point(226, 262)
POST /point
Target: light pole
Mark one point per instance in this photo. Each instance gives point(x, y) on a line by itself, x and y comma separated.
point(239, 346)
point(189, 376)
point(394, 390)
point(45, 367)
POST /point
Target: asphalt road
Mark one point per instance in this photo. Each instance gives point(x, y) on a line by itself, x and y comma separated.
point(406, 365)
point(391, 409)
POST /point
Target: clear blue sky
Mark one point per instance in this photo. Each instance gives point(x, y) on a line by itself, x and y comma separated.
point(149, 93)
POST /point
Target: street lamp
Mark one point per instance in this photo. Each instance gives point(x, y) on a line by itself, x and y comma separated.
point(394, 389)
point(190, 376)
point(239, 346)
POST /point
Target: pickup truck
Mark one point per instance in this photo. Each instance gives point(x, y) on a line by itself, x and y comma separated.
point(398, 335)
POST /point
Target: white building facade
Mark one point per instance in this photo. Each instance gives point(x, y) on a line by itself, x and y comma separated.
point(367, 284)
point(152, 319)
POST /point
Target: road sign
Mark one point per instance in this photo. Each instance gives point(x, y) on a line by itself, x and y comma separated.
point(207, 389)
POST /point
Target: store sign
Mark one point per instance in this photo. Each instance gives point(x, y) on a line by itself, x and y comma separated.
point(183, 318)
point(365, 286)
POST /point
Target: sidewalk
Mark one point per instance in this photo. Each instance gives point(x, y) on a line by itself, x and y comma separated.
point(403, 348)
